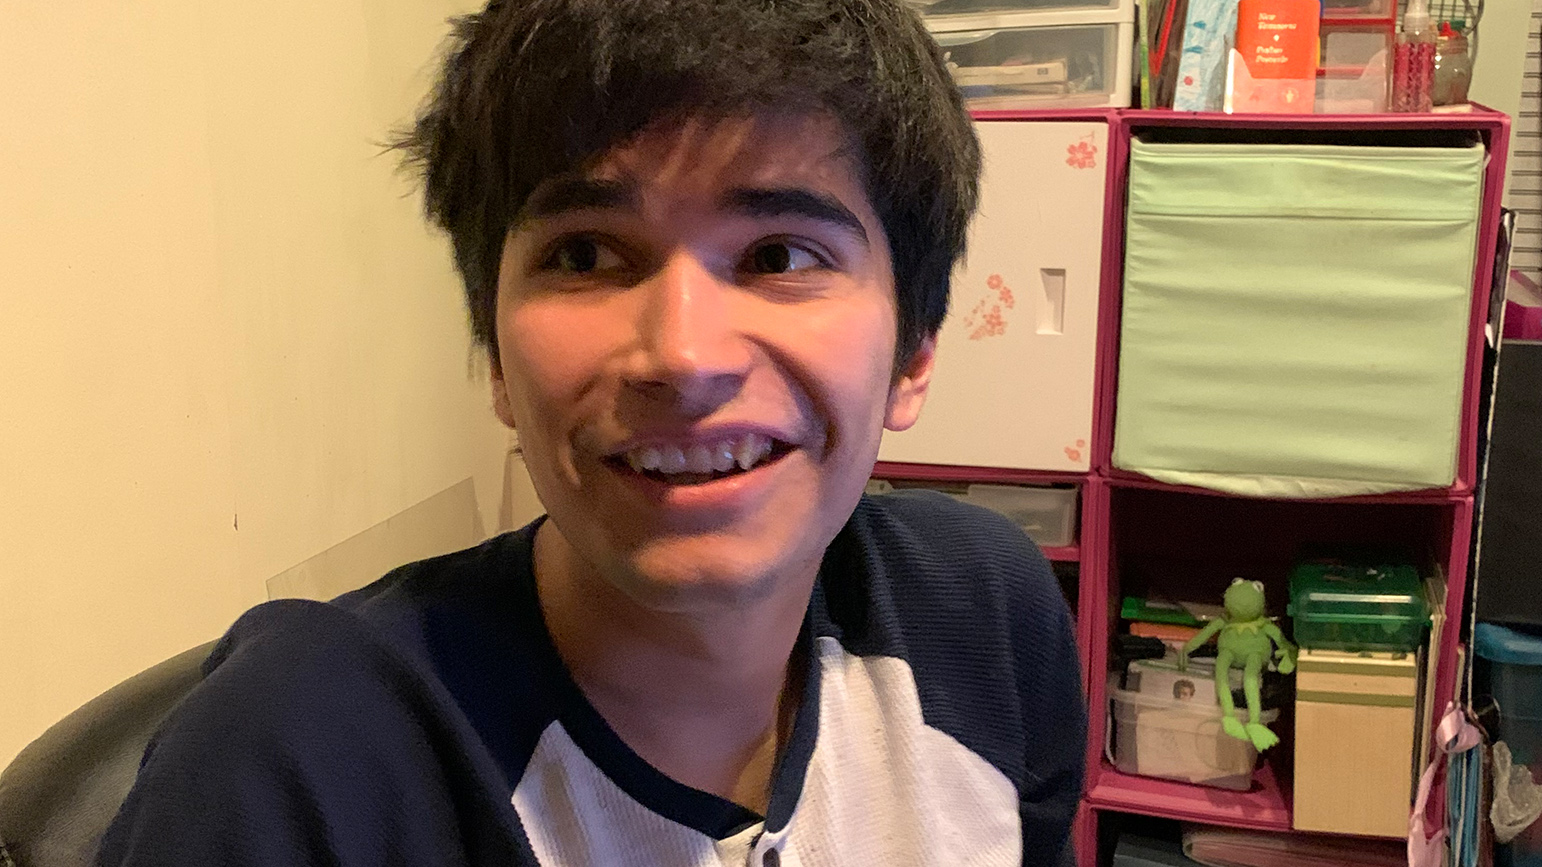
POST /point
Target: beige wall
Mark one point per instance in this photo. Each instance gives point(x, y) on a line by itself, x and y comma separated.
point(1501, 63)
point(228, 342)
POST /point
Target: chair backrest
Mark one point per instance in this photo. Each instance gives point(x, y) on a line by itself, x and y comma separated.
point(59, 795)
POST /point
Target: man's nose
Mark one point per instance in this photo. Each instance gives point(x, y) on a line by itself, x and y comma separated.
point(692, 353)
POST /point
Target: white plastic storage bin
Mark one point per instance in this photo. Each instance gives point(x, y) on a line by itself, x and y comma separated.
point(1062, 58)
point(1156, 735)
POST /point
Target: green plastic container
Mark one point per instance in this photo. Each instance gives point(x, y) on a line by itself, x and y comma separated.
point(1357, 608)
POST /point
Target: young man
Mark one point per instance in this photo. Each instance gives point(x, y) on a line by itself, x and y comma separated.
point(707, 246)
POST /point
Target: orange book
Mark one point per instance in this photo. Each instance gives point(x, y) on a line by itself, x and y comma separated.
point(1164, 631)
point(1273, 67)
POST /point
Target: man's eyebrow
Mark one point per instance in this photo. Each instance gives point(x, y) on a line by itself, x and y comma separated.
point(794, 202)
point(562, 194)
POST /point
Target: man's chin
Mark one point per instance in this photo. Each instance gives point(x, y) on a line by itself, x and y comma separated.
point(667, 579)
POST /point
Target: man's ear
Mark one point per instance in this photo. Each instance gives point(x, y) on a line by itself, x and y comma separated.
point(503, 408)
point(909, 390)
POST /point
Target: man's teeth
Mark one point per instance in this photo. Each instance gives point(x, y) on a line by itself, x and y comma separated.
point(743, 452)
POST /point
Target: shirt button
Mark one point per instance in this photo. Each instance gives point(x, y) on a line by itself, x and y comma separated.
point(771, 858)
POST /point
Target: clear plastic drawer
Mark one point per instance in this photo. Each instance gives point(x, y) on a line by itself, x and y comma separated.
point(1047, 515)
point(940, 8)
point(1079, 65)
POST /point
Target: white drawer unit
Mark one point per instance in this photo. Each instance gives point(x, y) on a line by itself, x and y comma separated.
point(1073, 56)
point(1014, 376)
point(941, 10)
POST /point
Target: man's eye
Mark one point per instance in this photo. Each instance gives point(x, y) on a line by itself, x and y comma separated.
point(582, 256)
point(780, 258)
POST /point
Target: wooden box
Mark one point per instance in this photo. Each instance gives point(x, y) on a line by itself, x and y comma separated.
point(1355, 719)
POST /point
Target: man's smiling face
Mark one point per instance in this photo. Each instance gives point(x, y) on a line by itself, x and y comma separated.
point(696, 340)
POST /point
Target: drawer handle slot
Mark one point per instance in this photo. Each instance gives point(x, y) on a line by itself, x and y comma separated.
point(1052, 311)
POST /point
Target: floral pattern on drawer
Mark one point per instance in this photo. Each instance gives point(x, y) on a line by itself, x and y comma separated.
point(986, 319)
point(1082, 154)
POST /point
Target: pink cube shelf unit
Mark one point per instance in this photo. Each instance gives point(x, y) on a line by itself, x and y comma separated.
point(1137, 534)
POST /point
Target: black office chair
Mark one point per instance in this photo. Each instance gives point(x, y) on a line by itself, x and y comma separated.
point(61, 792)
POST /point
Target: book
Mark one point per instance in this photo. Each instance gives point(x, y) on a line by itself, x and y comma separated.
point(1154, 609)
point(1273, 67)
point(1166, 26)
point(1435, 593)
point(1207, 42)
point(1168, 632)
point(1142, 54)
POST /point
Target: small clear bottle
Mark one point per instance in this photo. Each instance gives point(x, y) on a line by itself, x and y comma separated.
point(1413, 61)
point(1453, 66)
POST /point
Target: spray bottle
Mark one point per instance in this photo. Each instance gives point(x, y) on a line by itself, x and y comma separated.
point(1413, 60)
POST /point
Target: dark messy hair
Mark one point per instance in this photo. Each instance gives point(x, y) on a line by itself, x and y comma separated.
point(536, 88)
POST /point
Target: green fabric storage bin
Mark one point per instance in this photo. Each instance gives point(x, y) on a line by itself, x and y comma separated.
point(1295, 316)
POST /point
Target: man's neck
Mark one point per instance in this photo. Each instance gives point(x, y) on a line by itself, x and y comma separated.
point(706, 697)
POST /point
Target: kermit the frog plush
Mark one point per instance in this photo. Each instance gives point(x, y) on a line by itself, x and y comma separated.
point(1245, 639)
